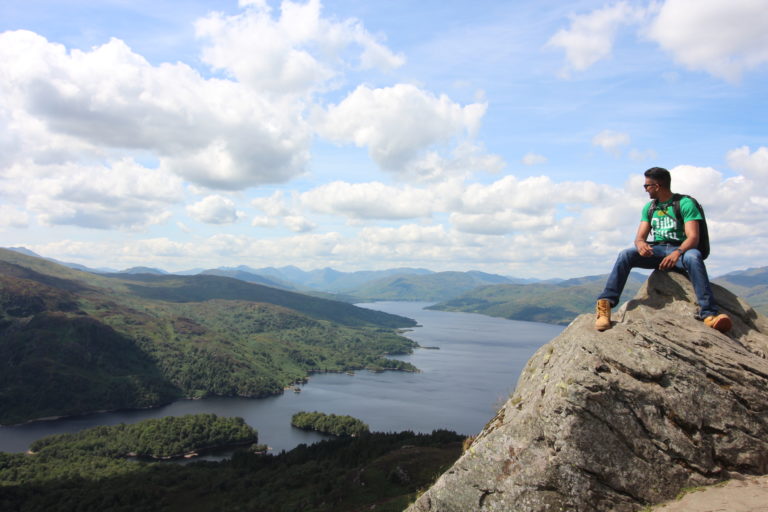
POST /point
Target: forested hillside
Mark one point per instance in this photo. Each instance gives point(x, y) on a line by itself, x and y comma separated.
point(72, 342)
point(89, 472)
point(203, 287)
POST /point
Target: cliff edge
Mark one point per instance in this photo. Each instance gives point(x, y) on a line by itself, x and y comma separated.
point(626, 418)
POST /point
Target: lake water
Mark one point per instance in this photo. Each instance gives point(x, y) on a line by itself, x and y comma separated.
point(460, 386)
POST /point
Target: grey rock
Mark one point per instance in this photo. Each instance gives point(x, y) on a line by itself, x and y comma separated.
point(622, 419)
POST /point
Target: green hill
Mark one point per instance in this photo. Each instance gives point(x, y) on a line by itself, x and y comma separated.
point(540, 302)
point(429, 287)
point(74, 342)
point(203, 287)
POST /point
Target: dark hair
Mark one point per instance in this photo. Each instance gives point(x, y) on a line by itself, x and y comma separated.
point(660, 175)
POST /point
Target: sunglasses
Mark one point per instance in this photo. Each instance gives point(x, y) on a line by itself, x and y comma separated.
point(649, 185)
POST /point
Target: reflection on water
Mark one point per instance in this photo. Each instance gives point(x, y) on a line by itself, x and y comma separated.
point(459, 388)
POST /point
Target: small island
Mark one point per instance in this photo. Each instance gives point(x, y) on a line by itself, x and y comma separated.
point(332, 424)
point(163, 438)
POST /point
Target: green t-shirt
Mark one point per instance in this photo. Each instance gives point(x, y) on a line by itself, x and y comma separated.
point(664, 226)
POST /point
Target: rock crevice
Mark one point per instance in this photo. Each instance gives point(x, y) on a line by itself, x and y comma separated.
point(622, 419)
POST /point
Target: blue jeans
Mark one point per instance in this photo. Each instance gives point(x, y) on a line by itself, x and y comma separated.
point(691, 262)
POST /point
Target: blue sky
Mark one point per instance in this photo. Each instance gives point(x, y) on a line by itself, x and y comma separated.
point(508, 137)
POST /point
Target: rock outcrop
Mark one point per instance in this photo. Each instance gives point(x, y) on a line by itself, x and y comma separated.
point(622, 419)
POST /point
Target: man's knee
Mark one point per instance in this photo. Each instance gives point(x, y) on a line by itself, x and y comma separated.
point(628, 255)
point(692, 257)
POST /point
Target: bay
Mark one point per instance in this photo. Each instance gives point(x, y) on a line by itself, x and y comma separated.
point(460, 386)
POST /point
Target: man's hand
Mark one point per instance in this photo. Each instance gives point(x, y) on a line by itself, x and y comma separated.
point(644, 248)
point(669, 261)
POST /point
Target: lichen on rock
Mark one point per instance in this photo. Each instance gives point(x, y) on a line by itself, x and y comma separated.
point(622, 419)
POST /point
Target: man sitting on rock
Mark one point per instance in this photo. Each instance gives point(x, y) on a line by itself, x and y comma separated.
point(673, 246)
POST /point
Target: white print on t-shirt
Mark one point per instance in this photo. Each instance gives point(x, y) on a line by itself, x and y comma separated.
point(664, 225)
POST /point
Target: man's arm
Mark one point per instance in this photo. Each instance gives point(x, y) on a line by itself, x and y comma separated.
point(691, 242)
point(642, 234)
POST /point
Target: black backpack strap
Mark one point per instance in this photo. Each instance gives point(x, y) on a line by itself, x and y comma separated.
point(676, 208)
point(652, 208)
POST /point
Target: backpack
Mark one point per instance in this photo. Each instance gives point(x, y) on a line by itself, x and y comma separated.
point(703, 230)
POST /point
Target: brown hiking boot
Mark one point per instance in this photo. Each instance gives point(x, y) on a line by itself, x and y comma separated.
point(603, 315)
point(721, 322)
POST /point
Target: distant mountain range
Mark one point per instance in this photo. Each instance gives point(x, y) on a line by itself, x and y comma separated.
point(751, 285)
point(550, 303)
point(249, 277)
point(365, 285)
point(425, 287)
point(333, 281)
point(554, 301)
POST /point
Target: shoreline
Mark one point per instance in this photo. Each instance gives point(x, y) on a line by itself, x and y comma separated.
point(191, 454)
point(302, 381)
point(88, 413)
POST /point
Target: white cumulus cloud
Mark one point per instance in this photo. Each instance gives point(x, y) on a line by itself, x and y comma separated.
point(409, 233)
point(398, 124)
point(753, 165)
point(276, 205)
point(296, 52)
point(299, 224)
point(216, 133)
point(536, 194)
point(722, 38)
point(736, 207)
point(124, 195)
point(282, 209)
point(464, 160)
point(369, 201)
point(591, 36)
point(501, 222)
point(215, 209)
